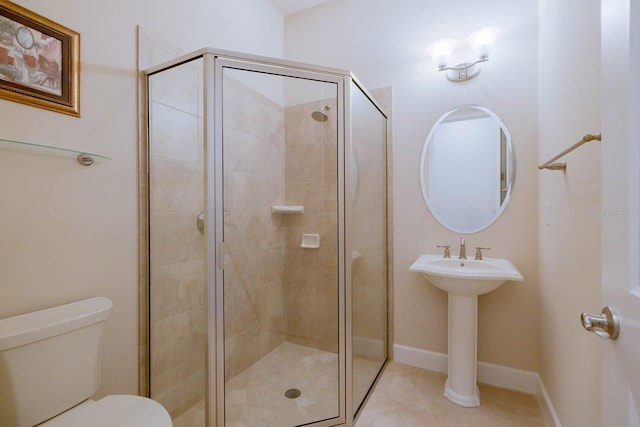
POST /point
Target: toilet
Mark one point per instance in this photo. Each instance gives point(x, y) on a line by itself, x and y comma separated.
point(49, 368)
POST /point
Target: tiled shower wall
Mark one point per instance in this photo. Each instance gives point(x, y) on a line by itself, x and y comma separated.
point(274, 289)
point(311, 275)
point(176, 246)
point(254, 153)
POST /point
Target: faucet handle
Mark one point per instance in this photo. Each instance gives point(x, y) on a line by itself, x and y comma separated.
point(479, 252)
point(447, 253)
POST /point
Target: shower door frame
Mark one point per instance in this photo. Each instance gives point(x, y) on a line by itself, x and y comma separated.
point(214, 246)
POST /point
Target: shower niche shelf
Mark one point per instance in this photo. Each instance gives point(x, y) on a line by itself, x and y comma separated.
point(82, 157)
point(287, 209)
point(310, 241)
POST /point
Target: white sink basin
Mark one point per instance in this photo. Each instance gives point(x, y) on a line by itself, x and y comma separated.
point(466, 276)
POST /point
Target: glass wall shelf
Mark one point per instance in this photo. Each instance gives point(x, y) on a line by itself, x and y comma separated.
point(82, 157)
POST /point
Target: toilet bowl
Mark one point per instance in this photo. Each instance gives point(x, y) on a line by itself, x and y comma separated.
point(49, 369)
point(115, 410)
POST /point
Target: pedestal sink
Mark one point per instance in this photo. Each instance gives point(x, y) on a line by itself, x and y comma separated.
point(464, 280)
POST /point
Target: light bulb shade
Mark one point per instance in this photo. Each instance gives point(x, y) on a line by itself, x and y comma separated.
point(441, 50)
point(483, 41)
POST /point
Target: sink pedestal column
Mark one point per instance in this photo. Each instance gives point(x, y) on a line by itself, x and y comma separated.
point(460, 387)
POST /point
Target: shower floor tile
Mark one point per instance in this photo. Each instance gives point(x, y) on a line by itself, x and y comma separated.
point(256, 396)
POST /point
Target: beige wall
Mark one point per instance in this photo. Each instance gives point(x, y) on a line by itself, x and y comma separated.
point(388, 48)
point(69, 232)
point(570, 241)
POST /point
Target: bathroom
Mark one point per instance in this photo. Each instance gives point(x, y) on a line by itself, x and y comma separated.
point(70, 233)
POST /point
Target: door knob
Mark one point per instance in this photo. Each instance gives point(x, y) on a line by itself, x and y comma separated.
point(605, 325)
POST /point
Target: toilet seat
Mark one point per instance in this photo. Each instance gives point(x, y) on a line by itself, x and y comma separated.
point(114, 410)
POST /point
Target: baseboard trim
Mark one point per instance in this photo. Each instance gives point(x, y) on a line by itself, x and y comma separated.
point(488, 373)
point(548, 411)
point(419, 358)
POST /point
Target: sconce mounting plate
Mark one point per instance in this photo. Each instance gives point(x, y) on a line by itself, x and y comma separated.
point(462, 72)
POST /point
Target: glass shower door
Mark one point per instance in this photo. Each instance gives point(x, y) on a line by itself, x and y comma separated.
point(283, 358)
point(367, 197)
point(177, 338)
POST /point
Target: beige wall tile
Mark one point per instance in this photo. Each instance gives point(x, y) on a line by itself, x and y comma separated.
point(175, 339)
point(174, 133)
point(176, 182)
point(175, 186)
point(254, 238)
point(175, 238)
point(178, 87)
point(177, 288)
point(182, 386)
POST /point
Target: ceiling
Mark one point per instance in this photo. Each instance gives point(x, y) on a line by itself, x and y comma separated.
point(289, 7)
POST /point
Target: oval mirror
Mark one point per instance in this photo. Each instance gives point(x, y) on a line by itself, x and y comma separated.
point(467, 169)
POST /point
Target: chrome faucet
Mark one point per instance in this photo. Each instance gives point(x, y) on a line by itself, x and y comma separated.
point(463, 249)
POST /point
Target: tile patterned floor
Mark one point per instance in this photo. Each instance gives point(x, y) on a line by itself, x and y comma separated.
point(404, 397)
point(412, 397)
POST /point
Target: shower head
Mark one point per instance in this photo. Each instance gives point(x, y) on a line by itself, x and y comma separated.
point(319, 115)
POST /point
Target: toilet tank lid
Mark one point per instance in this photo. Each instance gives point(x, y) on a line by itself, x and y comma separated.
point(30, 327)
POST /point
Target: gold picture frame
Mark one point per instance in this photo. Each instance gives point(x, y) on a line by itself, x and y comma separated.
point(39, 61)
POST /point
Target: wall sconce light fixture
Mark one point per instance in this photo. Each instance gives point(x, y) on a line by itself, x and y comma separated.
point(482, 43)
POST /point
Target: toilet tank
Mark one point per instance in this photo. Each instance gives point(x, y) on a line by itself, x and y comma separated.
point(50, 360)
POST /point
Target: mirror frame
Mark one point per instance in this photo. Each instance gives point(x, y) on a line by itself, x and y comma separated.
point(512, 169)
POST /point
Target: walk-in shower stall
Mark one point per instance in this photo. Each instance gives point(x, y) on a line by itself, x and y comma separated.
point(267, 241)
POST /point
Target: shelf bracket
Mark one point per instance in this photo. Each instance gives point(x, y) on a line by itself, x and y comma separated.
point(84, 159)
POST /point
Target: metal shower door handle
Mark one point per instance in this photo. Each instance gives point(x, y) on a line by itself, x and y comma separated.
point(606, 325)
point(200, 222)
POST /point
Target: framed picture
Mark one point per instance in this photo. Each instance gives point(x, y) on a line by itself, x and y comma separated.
point(39, 61)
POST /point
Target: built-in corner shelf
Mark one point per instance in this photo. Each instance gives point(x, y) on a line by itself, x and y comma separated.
point(287, 209)
point(82, 157)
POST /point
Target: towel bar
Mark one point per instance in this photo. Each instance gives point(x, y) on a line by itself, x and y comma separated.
point(562, 165)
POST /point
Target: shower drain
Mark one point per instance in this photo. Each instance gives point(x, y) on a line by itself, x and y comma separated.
point(292, 393)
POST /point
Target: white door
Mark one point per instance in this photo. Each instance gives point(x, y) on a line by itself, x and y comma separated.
point(620, 214)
